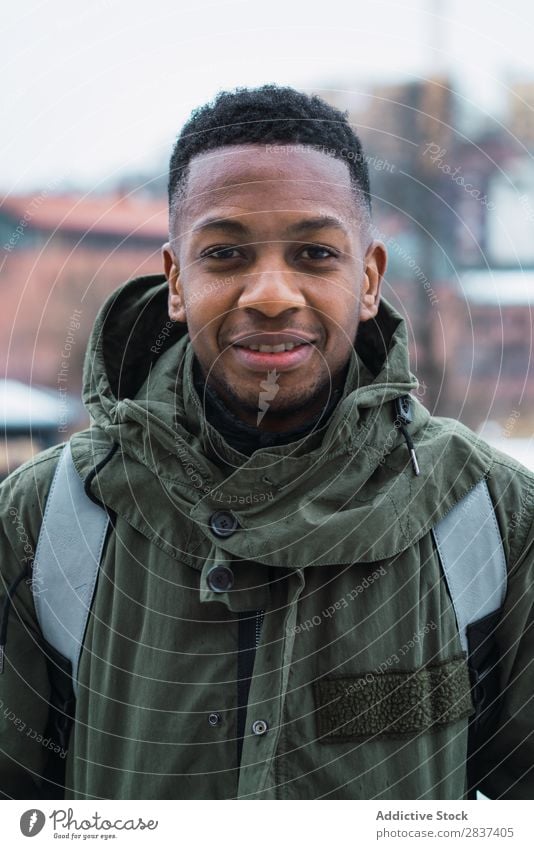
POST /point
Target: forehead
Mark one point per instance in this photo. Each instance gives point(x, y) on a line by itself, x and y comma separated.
point(261, 178)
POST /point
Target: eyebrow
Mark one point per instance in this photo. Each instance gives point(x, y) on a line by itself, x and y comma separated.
point(220, 224)
point(304, 226)
point(321, 222)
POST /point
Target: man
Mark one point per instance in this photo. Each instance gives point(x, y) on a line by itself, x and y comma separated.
point(271, 618)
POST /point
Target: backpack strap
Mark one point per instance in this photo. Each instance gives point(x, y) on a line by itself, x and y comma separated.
point(472, 558)
point(473, 562)
point(67, 560)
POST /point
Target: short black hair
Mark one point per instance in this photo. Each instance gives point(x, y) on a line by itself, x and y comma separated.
point(269, 114)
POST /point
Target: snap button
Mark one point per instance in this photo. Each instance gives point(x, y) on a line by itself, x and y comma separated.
point(259, 727)
point(214, 718)
point(223, 523)
point(220, 579)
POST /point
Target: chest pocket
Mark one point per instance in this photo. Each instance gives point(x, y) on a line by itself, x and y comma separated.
point(394, 702)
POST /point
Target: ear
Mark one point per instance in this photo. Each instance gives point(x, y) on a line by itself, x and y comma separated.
point(172, 273)
point(375, 263)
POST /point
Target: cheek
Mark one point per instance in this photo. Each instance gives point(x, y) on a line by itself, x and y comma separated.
point(337, 303)
point(209, 297)
point(205, 315)
point(201, 309)
point(340, 318)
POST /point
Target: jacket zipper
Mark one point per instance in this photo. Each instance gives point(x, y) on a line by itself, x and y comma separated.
point(249, 635)
point(259, 623)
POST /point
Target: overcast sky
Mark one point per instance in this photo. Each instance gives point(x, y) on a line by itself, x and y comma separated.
point(94, 88)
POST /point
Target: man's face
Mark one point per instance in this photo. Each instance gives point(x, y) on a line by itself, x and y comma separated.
point(272, 268)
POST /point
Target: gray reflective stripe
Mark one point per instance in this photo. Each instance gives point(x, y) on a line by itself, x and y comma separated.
point(66, 561)
point(472, 558)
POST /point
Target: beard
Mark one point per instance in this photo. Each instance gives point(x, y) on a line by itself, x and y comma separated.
point(288, 407)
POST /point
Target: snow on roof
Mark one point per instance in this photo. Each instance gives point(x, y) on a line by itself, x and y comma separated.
point(520, 448)
point(498, 287)
point(24, 407)
point(99, 214)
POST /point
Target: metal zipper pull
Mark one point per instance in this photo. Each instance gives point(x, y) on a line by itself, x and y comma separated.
point(403, 408)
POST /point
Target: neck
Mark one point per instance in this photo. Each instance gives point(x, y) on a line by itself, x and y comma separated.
point(247, 438)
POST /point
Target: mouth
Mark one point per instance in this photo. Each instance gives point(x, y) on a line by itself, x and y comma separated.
point(266, 351)
point(273, 349)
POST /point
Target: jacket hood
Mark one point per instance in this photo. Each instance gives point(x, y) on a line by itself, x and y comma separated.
point(343, 493)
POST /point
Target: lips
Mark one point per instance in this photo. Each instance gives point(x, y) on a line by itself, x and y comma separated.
point(273, 349)
point(284, 350)
point(273, 343)
point(260, 357)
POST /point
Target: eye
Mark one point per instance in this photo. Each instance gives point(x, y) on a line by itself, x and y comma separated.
point(220, 253)
point(316, 252)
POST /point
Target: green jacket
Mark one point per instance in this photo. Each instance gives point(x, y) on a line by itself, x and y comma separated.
point(359, 676)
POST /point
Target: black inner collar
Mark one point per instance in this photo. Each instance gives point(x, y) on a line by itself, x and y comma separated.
point(246, 438)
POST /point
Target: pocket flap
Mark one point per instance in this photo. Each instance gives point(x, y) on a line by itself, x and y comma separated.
point(393, 702)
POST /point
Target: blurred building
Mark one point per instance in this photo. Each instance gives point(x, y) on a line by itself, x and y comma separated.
point(520, 120)
point(486, 348)
point(457, 214)
point(31, 419)
point(62, 255)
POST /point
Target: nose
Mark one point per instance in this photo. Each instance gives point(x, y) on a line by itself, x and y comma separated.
point(271, 292)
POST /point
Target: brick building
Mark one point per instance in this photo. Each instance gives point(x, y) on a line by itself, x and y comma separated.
point(61, 256)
